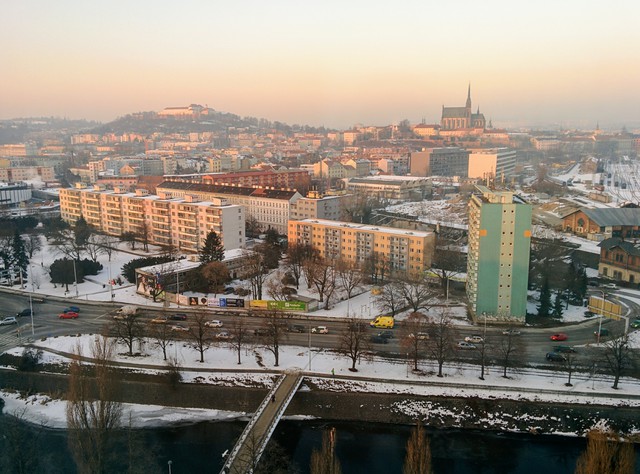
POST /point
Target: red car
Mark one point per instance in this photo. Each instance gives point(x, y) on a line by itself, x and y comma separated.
point(559, 337)
point(68, 315)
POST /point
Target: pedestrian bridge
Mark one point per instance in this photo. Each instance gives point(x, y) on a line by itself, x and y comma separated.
point(246, 453)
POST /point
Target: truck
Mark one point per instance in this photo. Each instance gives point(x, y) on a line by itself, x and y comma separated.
point(126, 311)
point(385, 322)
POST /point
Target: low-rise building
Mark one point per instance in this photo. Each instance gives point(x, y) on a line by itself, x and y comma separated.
point(619, 260)
point(449, 161)
point(316, 207)
point(406, 188)
point(603, 222)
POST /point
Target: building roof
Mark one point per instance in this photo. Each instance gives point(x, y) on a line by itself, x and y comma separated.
point(366, 228)
point(454, 112)
point(614, 242)
point(606, 216)
point(268, 193)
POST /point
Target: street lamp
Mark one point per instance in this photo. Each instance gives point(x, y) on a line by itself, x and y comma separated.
point(169, 463)
point(31, 299)
point(75, 277)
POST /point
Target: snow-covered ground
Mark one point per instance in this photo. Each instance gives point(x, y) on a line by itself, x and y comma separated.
point(374, 375)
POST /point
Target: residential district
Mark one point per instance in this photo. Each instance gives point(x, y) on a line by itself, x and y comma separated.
point(433, 243)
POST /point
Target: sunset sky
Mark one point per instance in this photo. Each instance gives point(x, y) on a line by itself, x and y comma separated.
point(332, 63)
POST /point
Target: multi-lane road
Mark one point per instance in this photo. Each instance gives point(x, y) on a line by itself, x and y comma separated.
point(532, 344)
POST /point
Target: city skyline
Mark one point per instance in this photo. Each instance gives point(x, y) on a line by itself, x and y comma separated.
point(334, 64)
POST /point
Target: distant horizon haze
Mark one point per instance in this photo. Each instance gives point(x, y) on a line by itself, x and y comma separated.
point(333, 64)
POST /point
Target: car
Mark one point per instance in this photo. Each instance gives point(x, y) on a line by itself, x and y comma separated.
point(179, 327)
point(378, 340)
point(609, 286)
point(559, 337)
point(466, 345)
point(563, 349)
point(320, 330)
point(71, 309)
point(635, 324)
point(555, 357)
point(229, 290)
point(178, 317)
point(160, 320)
point(8, 320)
point(68, 315)
point(296, 328)
point(474, 339)
point(421, 336)
point(602, 332)
point(589, 314)
point(213, 324)
point(386, 334)
point(511, 332)
point(223, 335)
point(24, 312)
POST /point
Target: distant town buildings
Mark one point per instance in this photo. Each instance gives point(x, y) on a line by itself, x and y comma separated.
point(498, 256)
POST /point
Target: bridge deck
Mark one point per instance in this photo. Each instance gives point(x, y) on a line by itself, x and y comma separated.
point(249, 447)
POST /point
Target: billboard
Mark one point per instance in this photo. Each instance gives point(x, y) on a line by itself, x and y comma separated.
point(279, 305)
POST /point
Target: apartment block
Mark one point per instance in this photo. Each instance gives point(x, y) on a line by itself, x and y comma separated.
point(492, 163)
point(400, 250)
point(297, 179)
point(316, 207)
point(14, 174)
point(498, 258)
point(404, 188)
point(165, 220)
point(449, 161)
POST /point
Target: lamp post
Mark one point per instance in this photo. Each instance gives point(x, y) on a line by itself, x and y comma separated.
point(604, 300)
point(31, 299)
point(169, 463)
point(309, 340)
point(75, 277)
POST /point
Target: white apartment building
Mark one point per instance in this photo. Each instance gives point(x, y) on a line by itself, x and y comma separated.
point(315, 207)
point(168, 221)
point(492, 163)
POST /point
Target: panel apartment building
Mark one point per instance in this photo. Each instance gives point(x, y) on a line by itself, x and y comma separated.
point(498, 259)
point(182, 223)
point(404, 250)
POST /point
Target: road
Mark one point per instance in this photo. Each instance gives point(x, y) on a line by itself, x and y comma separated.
point(532, 344)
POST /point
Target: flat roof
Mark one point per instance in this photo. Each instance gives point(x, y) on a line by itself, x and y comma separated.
point(367, 228)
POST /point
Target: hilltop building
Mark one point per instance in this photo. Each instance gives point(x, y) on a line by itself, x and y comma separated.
point(457, 118)
point(498, 259)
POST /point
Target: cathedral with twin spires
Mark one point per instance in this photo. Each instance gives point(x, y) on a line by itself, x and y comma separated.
point(460, 118)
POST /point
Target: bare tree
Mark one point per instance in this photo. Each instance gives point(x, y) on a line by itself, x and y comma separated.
point(414, 337)
point(129, 238)
point(274, 331)
point(256, 273)
point(32, 244)
point(19, 444)
point(276, 289)
point(239, 335)
point(199, 334)
point(618, 357)
point(418, 457)
point(128, 329)
point(507, 349)
point(571, 363)
point(606, 453)
point(390, 298)
point(441, 337)
point(94, 247)
point(162, 337)
point(354, 342)
point(376, 266)
point(415, 290)
point(325, 461)
point(66, 244)
point(323, 277)
point(93, 417)
point(108, 242)
point(448, 260)
point(349, 276)
point(143, 235)
point(297, 255)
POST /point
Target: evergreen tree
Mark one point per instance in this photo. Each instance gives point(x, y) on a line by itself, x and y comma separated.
point(19, 258)
point(558, 306)
point(544, 308)
point(82, 231)
point(212, 249)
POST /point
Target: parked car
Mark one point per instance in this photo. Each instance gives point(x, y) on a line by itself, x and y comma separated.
point(609, 286)
point(559, 337)
point(635, 324)
point(563, 349)
point(296, 328)
point(555, 357)
point(71, 309)
point(160, 320)
point(213, 324)
point(466, 345)
point(68, 315)
point(602, 332)
point(589, 314)
point(511, 332)
point(223, 335)
point(24, 312)
point(179, 327)
point(320, 330)
point(378, 340)
point(386, 334)
point(8, 320)
point(475, 339)
point(421, 335)
point(178, 317)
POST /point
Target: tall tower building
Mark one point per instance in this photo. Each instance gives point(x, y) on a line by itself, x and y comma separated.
point(498, 260)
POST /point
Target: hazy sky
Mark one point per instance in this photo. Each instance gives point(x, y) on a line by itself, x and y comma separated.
point(332, 63)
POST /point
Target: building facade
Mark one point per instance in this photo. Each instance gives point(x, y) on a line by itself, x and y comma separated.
point(449, 161)
point(405, 188)
point(162, 220)
point(498, 258)
point(497, 164)
point(316, 207)
point(604, 222)
point(619, 260)
point(457, 118)
point(397, 249)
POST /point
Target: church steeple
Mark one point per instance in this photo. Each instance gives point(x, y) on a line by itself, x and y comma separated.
point(469, 97)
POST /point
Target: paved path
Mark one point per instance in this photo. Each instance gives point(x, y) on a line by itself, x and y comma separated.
point(249, 447)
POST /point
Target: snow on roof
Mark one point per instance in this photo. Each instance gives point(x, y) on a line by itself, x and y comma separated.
point(367, 228)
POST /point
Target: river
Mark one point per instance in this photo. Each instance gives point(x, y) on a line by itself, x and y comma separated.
point(370, 448)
